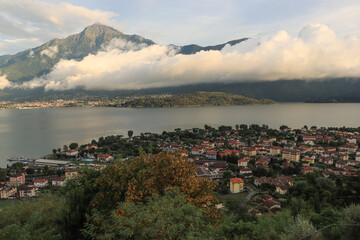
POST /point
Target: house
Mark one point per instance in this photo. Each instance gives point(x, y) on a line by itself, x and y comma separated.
point(71, 153)
point(58, 181)
point(225, 153)
point(282, 189)
point(357, 158)
point(326, 160)
point(272, 205)
point(236, 185)
point(341, 164)
point(104, 157)
point(306, 170)
point(91, 146)
point(26, 191)
point(287, 164)
point(203, 171)
point(243, 161)
point(17, 179)
point(70, 173)
point(41, 182)
point(291, 155)
point(211, 155)
point(249, 151)
point(262, 162)
point(274, 181)
point(244, 170)
point(196, 151)
point(7, 191)
point(308, 160)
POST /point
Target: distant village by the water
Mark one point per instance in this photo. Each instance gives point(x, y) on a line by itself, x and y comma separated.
point(253, 163)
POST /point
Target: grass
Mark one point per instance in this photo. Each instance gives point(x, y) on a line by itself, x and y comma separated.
point(4, 204)
point(233, 197)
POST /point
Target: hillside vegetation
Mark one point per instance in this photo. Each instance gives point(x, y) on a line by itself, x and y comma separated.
point(196, 99)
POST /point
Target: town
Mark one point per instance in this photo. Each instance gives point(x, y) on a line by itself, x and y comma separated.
point(259, 167)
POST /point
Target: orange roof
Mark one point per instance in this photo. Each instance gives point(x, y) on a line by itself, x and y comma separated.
point(40, 180)
point(236, 180)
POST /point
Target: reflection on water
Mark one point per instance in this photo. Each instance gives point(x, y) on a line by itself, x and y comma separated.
point(34, 132)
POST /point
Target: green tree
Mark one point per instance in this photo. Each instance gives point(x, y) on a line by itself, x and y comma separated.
point(78, 195)
point(351, 216)
point(300, 228)
point(168, 216)
point(130, 133)
point(73, 145)
point(2, 173)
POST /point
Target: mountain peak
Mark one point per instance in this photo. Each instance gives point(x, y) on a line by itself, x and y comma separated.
point(98, 29)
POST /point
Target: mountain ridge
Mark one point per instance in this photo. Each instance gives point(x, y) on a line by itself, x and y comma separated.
point(35, 62)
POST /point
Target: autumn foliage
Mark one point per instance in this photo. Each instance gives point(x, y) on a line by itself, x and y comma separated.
point(150, 175)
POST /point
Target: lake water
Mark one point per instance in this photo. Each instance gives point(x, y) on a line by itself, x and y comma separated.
point(35, 132)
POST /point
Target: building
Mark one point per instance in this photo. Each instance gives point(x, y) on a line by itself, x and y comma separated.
point(236, 185)
point(27, 191)
point(249, 151)
point(308, 160)
point(41, 182)
point(244, 170)
point(274, 150)
point(58, 181)
point(306, 170)
point(291, 155)
point(211, 155)
point(17, 179)
point(104, 157)
point(7, 191)
point(243, 162)
point(357, 158)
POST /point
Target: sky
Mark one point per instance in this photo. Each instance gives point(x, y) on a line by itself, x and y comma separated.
point(28, 23)
point(289, 39)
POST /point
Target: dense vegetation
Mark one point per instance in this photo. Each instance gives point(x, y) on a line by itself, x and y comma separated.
point(158, 197)
point(196, 99)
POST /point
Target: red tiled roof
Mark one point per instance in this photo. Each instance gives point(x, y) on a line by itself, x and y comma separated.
point(236, 180)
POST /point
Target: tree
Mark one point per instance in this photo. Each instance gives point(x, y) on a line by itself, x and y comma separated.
point(130, 133)
point(78, 195)
point(237, 126)
point(300, 228)
point(73, 145)
point(2, 173)
point(351, 215)
point(59, 150)
point(65, 148)
point(167, 216)
point(54, 151)
point(149, 175)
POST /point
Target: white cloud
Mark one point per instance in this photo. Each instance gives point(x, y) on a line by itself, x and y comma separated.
point(26, 20)
point(315, 53)
point(51, 52)
point(4, 83)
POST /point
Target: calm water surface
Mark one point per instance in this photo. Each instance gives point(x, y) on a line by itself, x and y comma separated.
point(35, 132)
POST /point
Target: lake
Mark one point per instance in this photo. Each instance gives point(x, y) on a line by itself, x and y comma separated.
point(35, 132)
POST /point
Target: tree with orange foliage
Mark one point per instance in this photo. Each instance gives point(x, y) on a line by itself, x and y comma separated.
point(150, 175)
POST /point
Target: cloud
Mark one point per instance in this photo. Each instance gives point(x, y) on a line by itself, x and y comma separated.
point(315, 53)
point(36, 19)
point(4, 83)
point(51, 52)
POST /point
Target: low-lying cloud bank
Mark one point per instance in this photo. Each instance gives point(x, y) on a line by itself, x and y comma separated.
point(315, 53)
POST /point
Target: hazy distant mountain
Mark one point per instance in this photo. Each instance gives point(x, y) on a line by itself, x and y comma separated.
point(35, 62)
point(193, 48)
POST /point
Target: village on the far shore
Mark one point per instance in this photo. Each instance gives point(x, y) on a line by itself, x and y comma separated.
point(253, 163)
